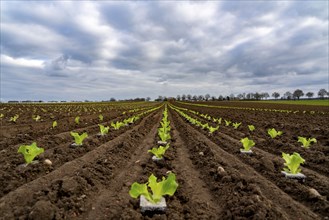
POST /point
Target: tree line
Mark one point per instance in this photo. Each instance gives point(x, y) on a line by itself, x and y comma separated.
point(297, 94)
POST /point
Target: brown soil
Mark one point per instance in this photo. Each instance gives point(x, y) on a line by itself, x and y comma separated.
point(215, 180)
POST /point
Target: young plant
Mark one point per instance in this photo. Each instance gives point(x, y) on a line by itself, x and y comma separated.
point(117, 125)
point(78, 139)
point(247, 144)
point(101, 117)
point(14, 118)
point(30, 151)
point(77, 120)
point(159, 189)
point(36, 118)
point(236, 125)
point(104, 130)
point(273, 133)
point(292, 162)
point(159, 152)
point(306, 142)
point(164, 136)
point(54, 124)
point(205, 126)
point(227, 123)
point(251, 127)
point(213, 129)
point(1, 115)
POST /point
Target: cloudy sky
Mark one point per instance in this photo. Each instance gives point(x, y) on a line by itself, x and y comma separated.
point(66, 50)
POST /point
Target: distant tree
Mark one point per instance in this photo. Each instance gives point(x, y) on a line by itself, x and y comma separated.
point(322, 93)
point(275, 95)
point(195, 98)
point(232, 97)
point(250, 96)
point(265, 95)
point(213, 98)
point(112, 99)
point(200, 97)
point(207, 96)
point(178, 98)
point(240, 96)
point(148, 99)
point(288, 95)
point(309, 94)
point(257, 96)
point(189, 97)
point(183, 97)
point(298, 93)
point(220, 97)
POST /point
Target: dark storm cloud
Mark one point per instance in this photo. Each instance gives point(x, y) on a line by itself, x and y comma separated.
point(162, 48)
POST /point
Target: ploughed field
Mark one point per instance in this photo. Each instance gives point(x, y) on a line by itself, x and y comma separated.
point(215, 180)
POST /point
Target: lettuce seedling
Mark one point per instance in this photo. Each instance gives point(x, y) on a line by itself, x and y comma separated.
point(1, 115)
point(213, 129)
point(78, 138)
point(101, 117)
point(164, 136)
point(77, 120)
point(292, 162)
point(36, 118)
point(251, 127)
point(273, 133)
point(117, 125)
point(54, 124)
point(306, 142)
point(160, 151)
point(30, 151)
point(165, 187)
point(14, 118)
point(247, 144)
point(227, 123)
point(205, 126)
point(236, 125)
point(104, 130)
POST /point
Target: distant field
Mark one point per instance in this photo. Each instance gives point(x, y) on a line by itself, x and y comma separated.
point(324, 102)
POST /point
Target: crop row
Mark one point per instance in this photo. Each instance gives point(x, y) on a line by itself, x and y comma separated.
point(315, 182)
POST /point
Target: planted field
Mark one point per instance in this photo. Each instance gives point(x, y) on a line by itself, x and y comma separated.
point(197, 143)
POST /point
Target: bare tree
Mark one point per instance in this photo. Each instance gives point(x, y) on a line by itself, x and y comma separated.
point(265, 95)
point(220, 98)
point(309, 94)
point(178, 97)
point(288, 95)
point(257, 96)
point(200, 97)
point(240, 96)
point(322, 93)
point(183, 97)
point(213, 98)
point(275, 95)
point(250, 96)
point(298, 93)
point(207, 96)
point(195, 98)
point(189, 97)
point(148, 99)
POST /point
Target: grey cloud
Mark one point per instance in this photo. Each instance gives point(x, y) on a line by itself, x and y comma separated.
point(158, 48)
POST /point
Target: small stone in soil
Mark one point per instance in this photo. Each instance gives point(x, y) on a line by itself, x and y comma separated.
point(48, 162)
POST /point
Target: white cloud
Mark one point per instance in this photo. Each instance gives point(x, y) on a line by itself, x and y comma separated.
point(161, 48)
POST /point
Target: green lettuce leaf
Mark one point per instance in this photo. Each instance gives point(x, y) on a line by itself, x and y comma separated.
point(30, 151)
